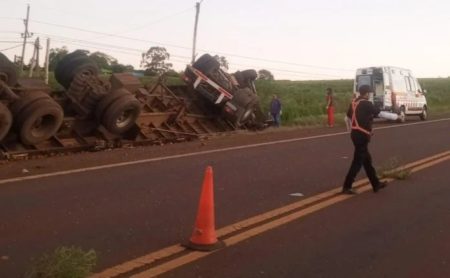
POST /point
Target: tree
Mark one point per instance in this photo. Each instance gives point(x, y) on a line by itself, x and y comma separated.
point(119, 68)
point(56, 55)
point(265, 75)
point(154, 60)
point(173, 73)
point(103, 61)
point(222, 61)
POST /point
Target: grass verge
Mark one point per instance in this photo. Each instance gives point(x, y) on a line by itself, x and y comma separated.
point(64, 262)
point(392, 169)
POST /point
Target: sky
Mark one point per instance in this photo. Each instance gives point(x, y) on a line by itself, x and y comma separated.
point(294, 39)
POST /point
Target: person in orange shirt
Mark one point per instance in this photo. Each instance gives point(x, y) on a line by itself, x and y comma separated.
point(330, 107)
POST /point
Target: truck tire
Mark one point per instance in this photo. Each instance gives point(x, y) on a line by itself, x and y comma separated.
point(62, 64)
point(206, 64)
point(3, 58)
point(26, 100)
point(8, 71)
point(5, 121)
point(39, 121)
point(424, 115)
point(107, 100)
point(250, 74)
point(73, 64)
point(121, 115)
point(245, 76)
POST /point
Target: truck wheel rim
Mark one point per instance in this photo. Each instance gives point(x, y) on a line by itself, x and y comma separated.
point(125, 118)
point(41, 126)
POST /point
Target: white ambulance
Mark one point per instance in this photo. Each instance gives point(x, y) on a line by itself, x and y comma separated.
point(395, 90)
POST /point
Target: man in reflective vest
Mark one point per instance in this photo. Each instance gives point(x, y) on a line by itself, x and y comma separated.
point(361, 113)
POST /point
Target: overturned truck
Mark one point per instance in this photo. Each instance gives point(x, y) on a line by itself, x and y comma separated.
point(94, 113)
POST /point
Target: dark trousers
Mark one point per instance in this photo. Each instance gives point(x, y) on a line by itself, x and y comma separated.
point(276, 119)
point(361, 157)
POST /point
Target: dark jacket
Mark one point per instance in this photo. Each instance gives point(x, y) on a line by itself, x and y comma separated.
point(275, 106)
point(365, 111)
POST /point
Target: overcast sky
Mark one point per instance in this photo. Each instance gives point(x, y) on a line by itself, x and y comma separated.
point(294, 39)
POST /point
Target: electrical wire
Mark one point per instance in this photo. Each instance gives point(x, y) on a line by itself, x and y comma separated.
point(186, 60)
point(10, 41)
point(188, 48)
point(11, 47)
point(108, 34)
point(128, 50)
point(145, 25)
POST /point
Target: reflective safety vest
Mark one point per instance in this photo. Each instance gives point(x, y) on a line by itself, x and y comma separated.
point(355, 124)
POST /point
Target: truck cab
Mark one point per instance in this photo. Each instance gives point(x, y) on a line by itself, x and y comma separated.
point(395, 90)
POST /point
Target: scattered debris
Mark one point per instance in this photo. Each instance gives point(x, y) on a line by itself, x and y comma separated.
point(296, 195)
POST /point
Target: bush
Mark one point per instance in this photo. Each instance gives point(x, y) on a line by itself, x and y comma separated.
point(64, 262)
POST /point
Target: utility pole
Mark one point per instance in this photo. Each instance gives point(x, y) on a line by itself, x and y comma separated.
point(25, 35)
point(197, 8)
point(47, 50)
point(34, 62)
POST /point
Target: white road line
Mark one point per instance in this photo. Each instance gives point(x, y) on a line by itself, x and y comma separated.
point(115, 165)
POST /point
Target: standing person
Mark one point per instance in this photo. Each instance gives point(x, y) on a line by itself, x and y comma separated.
point(330, 107)
point(361, 113)
point(275, 110)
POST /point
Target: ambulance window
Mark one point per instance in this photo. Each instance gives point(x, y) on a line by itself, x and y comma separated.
point(363, 80)
point(419, 88)
point(408, 84)
point(399, 83)
point(413, 84)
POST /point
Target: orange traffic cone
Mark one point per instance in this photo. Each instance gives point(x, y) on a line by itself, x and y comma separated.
point(204, 236)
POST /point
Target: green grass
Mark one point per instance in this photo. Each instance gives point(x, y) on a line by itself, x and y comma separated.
point(392, 169)
point(64, 262)
point(304, 101)
point(438, 94)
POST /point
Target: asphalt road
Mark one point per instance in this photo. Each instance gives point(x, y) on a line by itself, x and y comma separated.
point(128, 211)
point(401, 232)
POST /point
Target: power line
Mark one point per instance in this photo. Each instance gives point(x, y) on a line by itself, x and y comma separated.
point(107, 34)
point(16, 46)
point(95, 47)
point(134, 52)
point(10, 41)
point(147, 24)
point(99, 45)
point(9, 32)
point(283, 62)
point(188, 48)
point(292, 71)
point(67, 39)
point(10, 18)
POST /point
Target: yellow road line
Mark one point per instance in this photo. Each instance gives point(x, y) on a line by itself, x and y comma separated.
point(192, 256)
